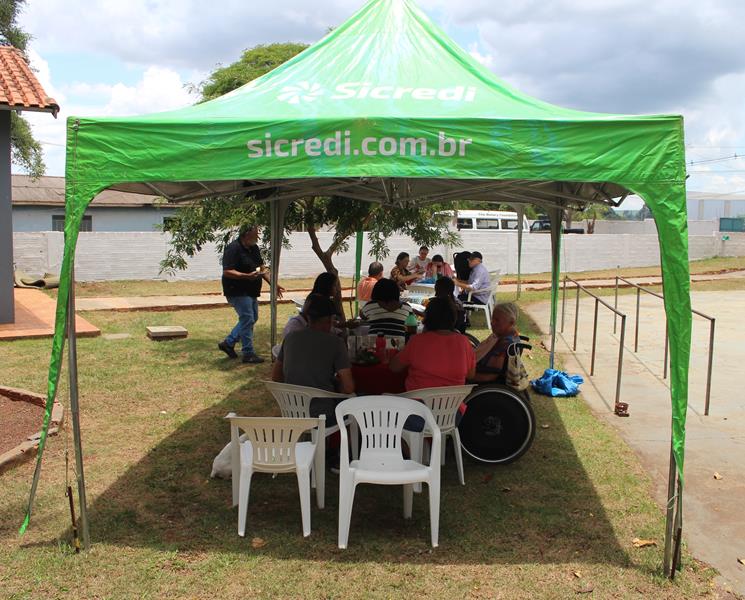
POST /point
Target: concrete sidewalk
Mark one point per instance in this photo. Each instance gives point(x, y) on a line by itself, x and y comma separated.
point(179, 302)
point(713, 519)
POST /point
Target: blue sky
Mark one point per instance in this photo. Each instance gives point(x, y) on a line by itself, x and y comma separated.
point(626, 56)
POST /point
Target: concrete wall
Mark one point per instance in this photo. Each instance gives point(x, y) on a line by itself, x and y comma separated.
point(136, 255)
point(647, 227)
point(39, 218)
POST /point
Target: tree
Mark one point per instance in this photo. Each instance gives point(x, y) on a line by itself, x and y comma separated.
point(25, 149)
point(217, 220)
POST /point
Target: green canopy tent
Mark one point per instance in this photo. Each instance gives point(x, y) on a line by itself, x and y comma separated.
point(386, 108)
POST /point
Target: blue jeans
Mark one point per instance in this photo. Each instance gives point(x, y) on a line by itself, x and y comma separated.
point(248, 313)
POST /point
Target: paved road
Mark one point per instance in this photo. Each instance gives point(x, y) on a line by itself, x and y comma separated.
point(714, 520)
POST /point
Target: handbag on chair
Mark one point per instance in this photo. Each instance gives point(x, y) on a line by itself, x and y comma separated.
point(516, 375)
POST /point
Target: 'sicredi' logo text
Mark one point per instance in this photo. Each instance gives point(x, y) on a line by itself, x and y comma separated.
point(309, 92)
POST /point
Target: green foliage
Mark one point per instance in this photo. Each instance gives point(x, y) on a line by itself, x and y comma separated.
point(10, 33)
point(25, 149)
point(253, 63)
point(209, 220)
point(217, 220)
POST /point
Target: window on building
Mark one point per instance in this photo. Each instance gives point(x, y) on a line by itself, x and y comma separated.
point(58, 223)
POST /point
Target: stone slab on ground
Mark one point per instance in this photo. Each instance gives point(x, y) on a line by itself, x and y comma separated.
point(713, 520)
point(166, 332)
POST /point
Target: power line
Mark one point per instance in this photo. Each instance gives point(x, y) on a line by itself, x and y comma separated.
point(713, 160)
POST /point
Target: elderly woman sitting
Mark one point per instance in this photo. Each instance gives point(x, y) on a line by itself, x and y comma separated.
point(491, 354)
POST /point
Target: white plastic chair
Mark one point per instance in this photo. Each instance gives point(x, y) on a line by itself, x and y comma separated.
point(294, 401)
point(270, 445)
point(381, 420)
point(444, 403)
point(488, 308)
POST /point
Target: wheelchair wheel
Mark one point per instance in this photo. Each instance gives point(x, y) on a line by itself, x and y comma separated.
point(472, 339)
point(498, 426)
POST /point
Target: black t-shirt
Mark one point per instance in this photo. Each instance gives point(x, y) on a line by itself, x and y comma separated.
point(245, 260)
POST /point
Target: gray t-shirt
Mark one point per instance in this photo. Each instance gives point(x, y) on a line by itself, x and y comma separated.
point(312, 358)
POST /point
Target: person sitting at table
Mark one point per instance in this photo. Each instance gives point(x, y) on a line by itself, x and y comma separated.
point(491, 354)
point(300, 320)
point(421, 262)
point(479, 281)
point(440, 356)
point(445, 288)
point(315, 357)
point(385, 313)
point(328, 284)
point(366, 285)
point(438, 268)
point(401, 274)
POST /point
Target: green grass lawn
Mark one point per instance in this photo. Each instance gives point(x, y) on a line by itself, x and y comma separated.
point(177, 288)
point(558, 522)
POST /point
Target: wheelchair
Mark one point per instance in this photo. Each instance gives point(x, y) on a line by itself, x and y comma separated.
point(499, 424)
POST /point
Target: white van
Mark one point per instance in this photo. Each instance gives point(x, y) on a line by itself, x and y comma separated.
point(485, 220)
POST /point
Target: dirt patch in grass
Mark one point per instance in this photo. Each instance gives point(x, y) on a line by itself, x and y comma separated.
point(19, 420)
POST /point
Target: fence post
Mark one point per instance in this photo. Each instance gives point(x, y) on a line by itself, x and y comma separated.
point(620, 359)
point(615, 302)
point(708, 372)
point(563, 302)
point(594, 337)
point(636, 328)
point(576, 318)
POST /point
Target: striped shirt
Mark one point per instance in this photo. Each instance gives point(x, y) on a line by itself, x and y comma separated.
point(384, 321)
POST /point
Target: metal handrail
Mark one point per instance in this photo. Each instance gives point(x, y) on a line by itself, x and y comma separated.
point(620, 408)
point(712, 324)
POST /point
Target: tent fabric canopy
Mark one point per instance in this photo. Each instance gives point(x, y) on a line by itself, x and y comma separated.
point(387, 108)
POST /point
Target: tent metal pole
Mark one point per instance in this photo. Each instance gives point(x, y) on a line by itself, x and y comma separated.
point(357, 271)
point(277, 211)
point(670, 516)
point(555, 216)
point(520, 218)
point(75, 410)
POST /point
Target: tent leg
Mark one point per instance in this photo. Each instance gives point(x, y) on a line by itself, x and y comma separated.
point(520, 218)
point(277, 211)
point(75, 410)
point(357, 271)
point(673, 520)
point(555, 215)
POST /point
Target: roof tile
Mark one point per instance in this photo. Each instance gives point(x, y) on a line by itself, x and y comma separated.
point(19, 88)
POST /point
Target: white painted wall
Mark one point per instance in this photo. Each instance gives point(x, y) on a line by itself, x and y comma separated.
point(136, 255)
point(648, 227)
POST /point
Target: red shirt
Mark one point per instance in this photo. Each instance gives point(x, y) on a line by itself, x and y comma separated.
point(364, 289)
point(437, 360)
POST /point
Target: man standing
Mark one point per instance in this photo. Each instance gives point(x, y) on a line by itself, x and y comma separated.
point(479, 281)
point(366, 285)
point(242, 273)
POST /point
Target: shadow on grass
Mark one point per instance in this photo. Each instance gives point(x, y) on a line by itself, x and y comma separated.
point(542, 509)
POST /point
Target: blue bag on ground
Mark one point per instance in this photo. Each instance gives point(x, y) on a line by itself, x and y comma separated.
point(557, 383)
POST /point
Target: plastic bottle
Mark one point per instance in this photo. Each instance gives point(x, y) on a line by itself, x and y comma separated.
point(380, 347)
